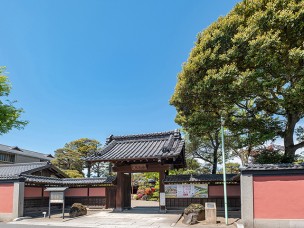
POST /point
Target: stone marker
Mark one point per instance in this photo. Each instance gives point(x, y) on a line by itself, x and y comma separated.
point(210, 212)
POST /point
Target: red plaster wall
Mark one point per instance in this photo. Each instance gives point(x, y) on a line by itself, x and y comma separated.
point(278, 197)
point(32, 192)
point(218, 190)
point(76, 192)
point(6, 198)
point(97, 191)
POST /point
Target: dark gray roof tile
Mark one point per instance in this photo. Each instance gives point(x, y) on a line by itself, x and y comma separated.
point(15, 170)
point(262, 167)
point(143, 146)
point(51, 181)
point(24, 152)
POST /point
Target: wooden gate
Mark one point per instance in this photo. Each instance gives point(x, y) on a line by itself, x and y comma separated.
point(111, 197)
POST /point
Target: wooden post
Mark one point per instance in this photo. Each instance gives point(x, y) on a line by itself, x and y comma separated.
point(88, 197)
point(127, 196)
point(162, 189)
point(50, 205)
point(120, 192)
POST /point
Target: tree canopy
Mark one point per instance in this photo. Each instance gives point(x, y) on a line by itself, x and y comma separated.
point(70, 157)
point(247, 67)
point(9, 114)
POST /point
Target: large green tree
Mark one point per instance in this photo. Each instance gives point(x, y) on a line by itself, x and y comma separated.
point(204, 146)
point(9, 114)
point(70, 157)
point(248, 67)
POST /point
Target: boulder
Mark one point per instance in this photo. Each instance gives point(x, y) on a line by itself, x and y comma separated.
point(198, 209)
point(77, 209)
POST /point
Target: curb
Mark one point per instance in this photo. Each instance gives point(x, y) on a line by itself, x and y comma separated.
point(21, 218)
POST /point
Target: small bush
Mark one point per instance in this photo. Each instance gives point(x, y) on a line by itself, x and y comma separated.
point(155, 195)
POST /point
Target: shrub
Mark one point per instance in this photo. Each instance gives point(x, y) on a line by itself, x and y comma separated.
point(155, 195)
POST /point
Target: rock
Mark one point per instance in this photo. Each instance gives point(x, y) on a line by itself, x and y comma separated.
point(77, 209)
point(198, 209)
point(190, 219)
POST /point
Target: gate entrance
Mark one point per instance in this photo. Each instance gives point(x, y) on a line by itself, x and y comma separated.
point(156, 152)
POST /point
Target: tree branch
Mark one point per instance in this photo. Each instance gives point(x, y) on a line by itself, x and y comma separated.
point(299, 145)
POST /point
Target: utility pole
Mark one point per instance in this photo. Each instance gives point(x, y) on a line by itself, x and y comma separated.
point(224, 171)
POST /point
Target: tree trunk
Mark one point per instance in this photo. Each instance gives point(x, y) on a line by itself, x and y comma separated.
point(290, 148)
point(215, 160)
point(89, 165)
point(216, 146)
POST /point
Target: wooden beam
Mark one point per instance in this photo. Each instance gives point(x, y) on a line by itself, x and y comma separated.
point(149, 168)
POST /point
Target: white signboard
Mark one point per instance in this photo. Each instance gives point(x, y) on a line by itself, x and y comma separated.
point(186, 191)
point(162, 199)
point(56, 197)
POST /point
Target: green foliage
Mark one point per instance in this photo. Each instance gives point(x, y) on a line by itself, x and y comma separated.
point(193, 167)
point(155, 195)
point(248, 68)
point(101, 169)
point(9, 114)
point(70, 157)
point(231, 168)
point(73, 173)
point(206, 147)
point(151, 175)
point(269, 155)
point(300, 134)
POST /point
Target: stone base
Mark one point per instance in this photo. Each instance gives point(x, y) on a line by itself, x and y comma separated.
point(6, 217)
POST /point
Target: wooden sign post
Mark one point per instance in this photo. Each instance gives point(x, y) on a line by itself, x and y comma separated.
point(56, 197)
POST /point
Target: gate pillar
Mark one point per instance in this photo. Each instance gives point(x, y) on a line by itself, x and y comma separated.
point(123, 192)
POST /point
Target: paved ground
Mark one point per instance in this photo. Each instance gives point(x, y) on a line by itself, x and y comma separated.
point(143, 214)
point(135, 218)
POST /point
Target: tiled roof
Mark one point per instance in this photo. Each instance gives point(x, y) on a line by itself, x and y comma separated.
point(144, 146)
point(15, 170)
point(24, 171)
point(51, 181)
point(199, 178)
point(24, 152)
point(265, 167)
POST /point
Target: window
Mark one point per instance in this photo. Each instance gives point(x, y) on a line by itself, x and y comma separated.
point(7, 157)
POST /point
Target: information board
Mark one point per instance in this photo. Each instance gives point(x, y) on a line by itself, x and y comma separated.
point(56, 197)
point(186, 191)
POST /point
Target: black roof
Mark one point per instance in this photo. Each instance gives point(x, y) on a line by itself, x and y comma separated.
point(24, 152)
point(274, 169)
point(51, 181)
point(13, 171)
point(200, 178)
point(24, 171)
point(152, 146)
point(273, 166)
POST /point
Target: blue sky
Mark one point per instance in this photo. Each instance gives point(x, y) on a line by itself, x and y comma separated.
point(95, 68)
